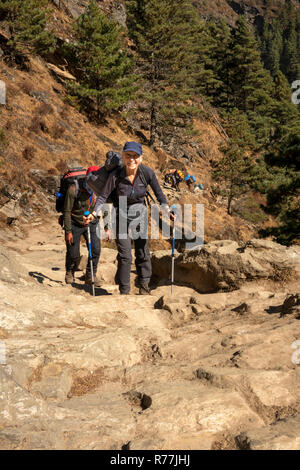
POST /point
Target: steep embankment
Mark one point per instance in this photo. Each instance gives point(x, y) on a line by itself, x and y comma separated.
point(211, 371)
point(41, 133)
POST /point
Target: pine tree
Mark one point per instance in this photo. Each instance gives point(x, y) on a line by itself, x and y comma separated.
point(283, 188)
point(27, 23)
point(251, 83)
point(102, 63)
point(219, 61)
point(235, 169)
point(163, 32)
point(271, 45)
point(286, 115)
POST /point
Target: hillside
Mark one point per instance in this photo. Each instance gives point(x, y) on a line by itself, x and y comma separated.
point(42, 132)
point(213, 363)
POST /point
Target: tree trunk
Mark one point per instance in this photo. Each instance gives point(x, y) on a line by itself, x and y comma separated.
point(229, 202)
point(153, 126)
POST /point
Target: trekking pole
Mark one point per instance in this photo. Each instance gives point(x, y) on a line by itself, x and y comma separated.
point(90, 254)
point(173, 250)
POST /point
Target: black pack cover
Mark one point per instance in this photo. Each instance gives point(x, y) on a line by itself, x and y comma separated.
point(96, 179)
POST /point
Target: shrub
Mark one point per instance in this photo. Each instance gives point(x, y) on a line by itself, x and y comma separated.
point(29, 152)
point(62, 166)
point(27, 87)
point(57, 131)
point(2, 137)
point(44, 108)
point(38, 124)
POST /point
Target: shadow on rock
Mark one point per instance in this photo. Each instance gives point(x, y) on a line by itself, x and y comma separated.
point(41, 277)
point(98, 290)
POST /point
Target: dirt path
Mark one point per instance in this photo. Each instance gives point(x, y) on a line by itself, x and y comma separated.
point(157, 372)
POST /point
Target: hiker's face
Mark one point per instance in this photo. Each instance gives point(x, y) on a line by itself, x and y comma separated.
point(131, 160)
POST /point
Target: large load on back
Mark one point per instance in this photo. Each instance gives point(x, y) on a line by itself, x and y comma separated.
point(75, 176)
point(96, 180)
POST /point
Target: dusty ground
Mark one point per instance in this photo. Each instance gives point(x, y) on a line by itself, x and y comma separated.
point(157, 372)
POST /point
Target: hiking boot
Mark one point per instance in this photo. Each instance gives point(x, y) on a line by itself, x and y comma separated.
point(124, 291)
point(144, 289)
point(69, 277)
point(88, 281)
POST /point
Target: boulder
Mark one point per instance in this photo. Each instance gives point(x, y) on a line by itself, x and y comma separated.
point(223, 265)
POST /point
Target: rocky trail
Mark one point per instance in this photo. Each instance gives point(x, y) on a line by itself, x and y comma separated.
point(188, 371)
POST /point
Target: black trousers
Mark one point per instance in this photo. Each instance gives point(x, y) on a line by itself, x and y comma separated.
point(142, 260)
point(73, 251)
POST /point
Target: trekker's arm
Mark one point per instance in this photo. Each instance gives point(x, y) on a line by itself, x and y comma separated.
point(158, 191)
point(68, 206)
point(101, 199)
point(160, 195)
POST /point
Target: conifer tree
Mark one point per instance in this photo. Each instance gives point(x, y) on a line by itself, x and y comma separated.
point(219, 60)
point(283, 188)
point(27, 21)
point(163, 32)
point(102, 63)
point(251, 83)
point(235, 170)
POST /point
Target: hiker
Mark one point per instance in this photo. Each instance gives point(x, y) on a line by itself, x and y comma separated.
point(75, 226)
point(173, 178)
point(131, 181)
point(190, 181)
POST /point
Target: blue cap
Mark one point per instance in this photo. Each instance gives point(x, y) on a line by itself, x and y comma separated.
point(133, 147)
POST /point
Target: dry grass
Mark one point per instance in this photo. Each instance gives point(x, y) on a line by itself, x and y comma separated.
point(62, 166)
point(27, 86)
point(38, 124)
point(43, 109)
point(88, 383)
point(29, 152)
point(57, 131)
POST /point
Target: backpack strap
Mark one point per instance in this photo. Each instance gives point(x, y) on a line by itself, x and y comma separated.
point(146, 177)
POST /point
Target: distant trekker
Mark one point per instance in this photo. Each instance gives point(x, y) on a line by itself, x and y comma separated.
point(173, 178)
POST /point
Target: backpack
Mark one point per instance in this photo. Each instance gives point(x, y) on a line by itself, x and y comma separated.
point(179, 175)
point(96, 180)
point(74, 176)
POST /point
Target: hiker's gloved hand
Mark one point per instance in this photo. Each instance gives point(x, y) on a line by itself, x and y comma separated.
point(108, 235)
point(69, 238)
point(88, 219)
point(172, 216)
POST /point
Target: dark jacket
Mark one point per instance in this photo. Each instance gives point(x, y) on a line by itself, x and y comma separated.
point(135, 192)
point(74, 208)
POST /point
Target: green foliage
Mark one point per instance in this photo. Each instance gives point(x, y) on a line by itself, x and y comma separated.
point(283, 188)
point(250, 210)
point(102, 64)
point(280, 41)
point(164, 34)
point(27, 21)
point(235, 170)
